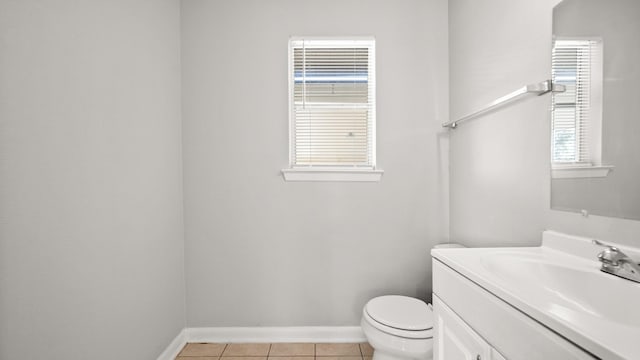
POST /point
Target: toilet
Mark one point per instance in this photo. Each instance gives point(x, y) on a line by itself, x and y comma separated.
point(400, 327)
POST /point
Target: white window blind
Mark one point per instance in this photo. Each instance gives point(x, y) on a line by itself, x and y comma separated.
point(574, 136)
point(332, 100)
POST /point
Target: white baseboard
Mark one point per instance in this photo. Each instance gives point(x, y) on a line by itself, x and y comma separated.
point(308, 334)
point(314, 334)
point(174, 348)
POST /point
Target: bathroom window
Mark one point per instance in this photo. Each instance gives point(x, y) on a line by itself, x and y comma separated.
point(332, 110)
point(577, 112)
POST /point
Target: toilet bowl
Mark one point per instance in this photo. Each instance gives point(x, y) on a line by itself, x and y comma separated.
point(398, 328)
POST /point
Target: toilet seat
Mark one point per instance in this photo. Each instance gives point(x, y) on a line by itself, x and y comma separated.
point(400, 316)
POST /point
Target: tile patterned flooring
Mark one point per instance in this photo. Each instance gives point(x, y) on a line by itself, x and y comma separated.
point(276, 351)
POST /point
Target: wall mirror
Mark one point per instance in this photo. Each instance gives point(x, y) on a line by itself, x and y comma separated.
point(595, 132)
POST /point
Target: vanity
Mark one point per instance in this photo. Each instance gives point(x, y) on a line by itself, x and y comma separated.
point(550, 302)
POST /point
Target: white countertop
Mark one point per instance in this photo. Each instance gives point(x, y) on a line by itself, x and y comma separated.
point(560, 285)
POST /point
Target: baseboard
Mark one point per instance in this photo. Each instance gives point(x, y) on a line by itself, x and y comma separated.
point(174, 348)
point(307, 334)
point(314, 334)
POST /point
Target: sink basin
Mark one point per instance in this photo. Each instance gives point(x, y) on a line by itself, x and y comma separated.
point(578, 288)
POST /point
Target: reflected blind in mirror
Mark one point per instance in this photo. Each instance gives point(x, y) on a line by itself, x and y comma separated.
point(332, 103)
point(571, 138)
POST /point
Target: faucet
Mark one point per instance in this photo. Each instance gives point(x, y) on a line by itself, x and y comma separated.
point(617, 263)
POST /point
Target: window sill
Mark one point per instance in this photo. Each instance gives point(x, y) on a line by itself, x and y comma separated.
point(332, 174)
point(576, 172)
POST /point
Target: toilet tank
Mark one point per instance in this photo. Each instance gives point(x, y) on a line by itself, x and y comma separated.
point(448, 246)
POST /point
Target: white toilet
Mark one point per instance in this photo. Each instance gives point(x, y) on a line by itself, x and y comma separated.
point(400, 327)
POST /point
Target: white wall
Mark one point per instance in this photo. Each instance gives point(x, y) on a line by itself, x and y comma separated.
point(262, 251)
point(500, 163)
point(91, 235)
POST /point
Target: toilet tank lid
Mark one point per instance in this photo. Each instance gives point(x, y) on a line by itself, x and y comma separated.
point(448, 246)
point(400, 312)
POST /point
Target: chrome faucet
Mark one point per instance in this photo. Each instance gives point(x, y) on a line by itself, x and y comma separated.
point(617, 263)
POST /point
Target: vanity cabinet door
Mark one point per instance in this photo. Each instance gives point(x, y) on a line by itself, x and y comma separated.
point(454, 339)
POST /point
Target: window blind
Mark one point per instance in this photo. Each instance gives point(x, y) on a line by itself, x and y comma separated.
point(572, 63)
point(332, 97)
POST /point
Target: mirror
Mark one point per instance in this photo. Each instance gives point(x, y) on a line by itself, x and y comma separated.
point(595, 135)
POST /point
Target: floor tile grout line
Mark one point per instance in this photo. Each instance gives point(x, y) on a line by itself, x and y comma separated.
point(223, 350)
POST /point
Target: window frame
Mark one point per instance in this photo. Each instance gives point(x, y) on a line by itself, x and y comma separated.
point(335, 172)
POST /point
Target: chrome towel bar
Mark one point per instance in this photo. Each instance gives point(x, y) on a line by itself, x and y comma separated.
point(540, 88)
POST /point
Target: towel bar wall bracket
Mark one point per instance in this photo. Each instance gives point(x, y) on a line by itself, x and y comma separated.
point(539, 89)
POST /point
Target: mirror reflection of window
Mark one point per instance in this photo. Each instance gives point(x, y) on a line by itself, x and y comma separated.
point(577, 112)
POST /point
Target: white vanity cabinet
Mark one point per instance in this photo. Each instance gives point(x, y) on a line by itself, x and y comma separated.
point(455, 340)
point(473, 324)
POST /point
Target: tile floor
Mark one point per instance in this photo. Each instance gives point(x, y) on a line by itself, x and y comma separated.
point(277, 351)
